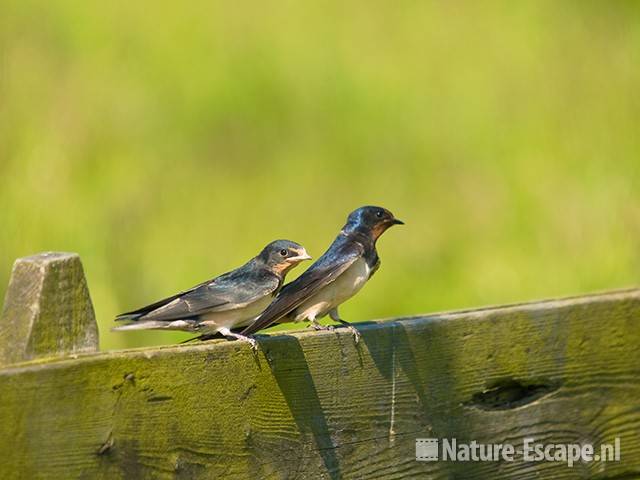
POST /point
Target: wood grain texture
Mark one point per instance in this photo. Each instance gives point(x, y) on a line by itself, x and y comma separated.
point(47, 310)
point(315, 405)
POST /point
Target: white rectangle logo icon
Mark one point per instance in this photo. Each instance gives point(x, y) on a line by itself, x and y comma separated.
point(426, 449)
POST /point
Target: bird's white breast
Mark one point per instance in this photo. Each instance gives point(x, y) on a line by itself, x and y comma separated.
point(236, 318)
point(341, 289)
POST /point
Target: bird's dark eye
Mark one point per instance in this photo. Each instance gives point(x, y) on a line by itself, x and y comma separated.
point(284, 252)
point(379, 213)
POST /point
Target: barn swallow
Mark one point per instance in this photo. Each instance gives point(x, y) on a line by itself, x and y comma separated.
point(232, 300)
point(335, 277)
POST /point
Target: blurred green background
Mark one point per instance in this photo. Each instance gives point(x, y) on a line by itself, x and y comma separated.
point(168, 142)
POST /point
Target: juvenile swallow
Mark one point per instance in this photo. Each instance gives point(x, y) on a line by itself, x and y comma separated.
point(335, 277)
point(232, 300)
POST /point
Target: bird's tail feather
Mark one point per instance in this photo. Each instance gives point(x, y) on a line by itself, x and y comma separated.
point(143, 325)
point(128, 316)
point(202, 338)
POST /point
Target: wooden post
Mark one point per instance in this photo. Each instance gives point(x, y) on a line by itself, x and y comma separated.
point(317, 405)
point(47, 310)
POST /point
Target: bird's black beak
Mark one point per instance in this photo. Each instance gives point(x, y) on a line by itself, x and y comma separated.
point(397, 222)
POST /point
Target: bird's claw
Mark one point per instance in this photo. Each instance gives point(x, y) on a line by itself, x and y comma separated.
point(355, 332)
point(318, 327)
point(243, 338)
point(253, 343)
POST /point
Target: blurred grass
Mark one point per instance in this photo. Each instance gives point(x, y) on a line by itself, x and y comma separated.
point(168, 143)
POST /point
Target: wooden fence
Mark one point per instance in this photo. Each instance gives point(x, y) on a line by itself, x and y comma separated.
point(314, 405)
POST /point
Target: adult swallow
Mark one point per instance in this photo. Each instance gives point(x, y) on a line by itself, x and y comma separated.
point(232, 300)
point(335, 277)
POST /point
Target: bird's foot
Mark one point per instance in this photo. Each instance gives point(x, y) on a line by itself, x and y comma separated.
point(352, 329)
point(316, 326)
point(250, 340)
point(335, 316)
point(355, 332)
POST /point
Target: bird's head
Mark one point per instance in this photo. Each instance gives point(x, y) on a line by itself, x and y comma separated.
point(282, 255)
point(371, 220)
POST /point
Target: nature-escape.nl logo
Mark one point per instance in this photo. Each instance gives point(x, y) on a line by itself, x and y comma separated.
point(430, 450)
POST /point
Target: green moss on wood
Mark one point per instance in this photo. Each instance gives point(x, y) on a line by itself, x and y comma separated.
point(315, 405)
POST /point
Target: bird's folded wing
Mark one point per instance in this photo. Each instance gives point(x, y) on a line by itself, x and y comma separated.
point(321, 274)
point(218, 295)
point(134, 314)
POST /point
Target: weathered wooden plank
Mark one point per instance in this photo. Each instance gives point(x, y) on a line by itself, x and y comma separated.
point(315, 405)
point(47, 310)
